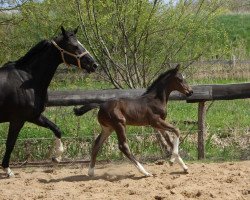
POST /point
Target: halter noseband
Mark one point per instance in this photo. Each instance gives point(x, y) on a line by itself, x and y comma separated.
point(78, 56)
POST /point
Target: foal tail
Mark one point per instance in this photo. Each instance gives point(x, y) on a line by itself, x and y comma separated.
point(87, 107)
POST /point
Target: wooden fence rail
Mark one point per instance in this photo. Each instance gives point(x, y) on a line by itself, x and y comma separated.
point(202, 93)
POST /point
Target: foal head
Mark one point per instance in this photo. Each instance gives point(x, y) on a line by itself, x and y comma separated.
point(177, 82)
point(73, 52)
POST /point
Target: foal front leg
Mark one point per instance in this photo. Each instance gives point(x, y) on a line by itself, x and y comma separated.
point(175, 154)
point(46, 123)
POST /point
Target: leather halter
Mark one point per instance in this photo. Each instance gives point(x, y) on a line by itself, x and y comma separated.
point(63, 51)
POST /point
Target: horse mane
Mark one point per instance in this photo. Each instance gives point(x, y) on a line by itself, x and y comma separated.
point(35, 50)
point(158, 80)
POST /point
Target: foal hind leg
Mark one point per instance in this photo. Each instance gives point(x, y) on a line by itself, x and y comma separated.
point(175, 154)
point(14, 129)
point(46, 123)
point(106, 131)
point(123, 146)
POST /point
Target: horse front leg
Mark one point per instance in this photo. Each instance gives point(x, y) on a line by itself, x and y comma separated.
point(46, 123)
point(124, 148)
point(14, 129)
point(161, 124)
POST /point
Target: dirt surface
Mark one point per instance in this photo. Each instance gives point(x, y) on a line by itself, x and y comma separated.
point(227, 181)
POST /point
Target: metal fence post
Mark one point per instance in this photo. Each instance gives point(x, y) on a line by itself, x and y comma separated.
point(201, 129)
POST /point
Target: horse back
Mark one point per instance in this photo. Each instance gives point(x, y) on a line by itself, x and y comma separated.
point(15, 98)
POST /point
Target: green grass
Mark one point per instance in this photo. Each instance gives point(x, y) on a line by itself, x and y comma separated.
point(238, 27)
point(223, 120)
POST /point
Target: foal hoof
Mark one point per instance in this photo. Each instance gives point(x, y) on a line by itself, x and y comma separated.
point(56, 160)
point(149, 175)
point(91, 172)
point(171, 163)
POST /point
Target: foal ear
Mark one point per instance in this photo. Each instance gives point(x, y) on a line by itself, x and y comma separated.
point(75, 31)
point(63, 31)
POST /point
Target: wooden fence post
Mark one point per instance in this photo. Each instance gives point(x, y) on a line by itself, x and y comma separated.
point(201, 129)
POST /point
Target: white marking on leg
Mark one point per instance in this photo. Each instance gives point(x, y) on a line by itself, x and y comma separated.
point(59, 150)
point(91, 171)
point(175, 149)
point(181, 163)
point(175, 155)
point(176, 145)
point(172, 159)
point(8, 172)
point(142, 170)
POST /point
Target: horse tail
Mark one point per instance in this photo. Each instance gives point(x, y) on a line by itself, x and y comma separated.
point(87, 107)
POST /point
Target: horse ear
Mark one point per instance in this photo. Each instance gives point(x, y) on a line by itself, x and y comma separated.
point(63, 31)
point(75, 31)
point(177, 68)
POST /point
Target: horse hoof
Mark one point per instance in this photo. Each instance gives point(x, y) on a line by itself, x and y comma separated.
point(91, 172)
point(186, 171)
point(56, 160)
point(171, 163)
point(9, 173)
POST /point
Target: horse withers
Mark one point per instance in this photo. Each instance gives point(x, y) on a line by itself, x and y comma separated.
point(147, 109)
point(24, 84)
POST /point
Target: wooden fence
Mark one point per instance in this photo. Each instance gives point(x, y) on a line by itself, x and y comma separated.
point(202, 93)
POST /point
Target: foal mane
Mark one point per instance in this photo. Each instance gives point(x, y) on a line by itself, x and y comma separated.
point(158, 80)
point(31, 54)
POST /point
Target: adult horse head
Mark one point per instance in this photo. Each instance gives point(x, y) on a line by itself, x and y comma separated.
point(24, 84)
point(72, 51)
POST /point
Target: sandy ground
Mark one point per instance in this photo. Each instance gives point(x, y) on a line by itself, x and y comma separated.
point(225, 181)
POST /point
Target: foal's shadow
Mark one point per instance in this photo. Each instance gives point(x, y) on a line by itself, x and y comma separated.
point(3, 176)
point(80, 178)
point(179, 173)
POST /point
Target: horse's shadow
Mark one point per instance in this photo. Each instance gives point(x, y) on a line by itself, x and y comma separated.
point(80, 178)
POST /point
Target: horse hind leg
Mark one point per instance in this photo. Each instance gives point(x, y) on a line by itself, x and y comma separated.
point(46, 123)
point(124, 148)
point(105, 133)
point(14, 129)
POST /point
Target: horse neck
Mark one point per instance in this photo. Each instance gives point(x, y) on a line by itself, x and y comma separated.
point(44, 68)
point(161, 93)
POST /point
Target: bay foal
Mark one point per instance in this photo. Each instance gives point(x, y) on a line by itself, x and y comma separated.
point(147, 109)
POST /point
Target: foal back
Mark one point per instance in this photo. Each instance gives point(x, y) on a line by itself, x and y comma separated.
point(139, 111)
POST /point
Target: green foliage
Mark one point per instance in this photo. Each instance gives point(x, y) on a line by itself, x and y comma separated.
point(132, 40)
point(238, 27)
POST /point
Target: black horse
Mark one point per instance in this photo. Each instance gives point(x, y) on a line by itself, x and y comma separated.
point(24, 84)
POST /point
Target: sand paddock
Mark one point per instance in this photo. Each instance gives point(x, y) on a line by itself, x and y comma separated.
point(229, 180)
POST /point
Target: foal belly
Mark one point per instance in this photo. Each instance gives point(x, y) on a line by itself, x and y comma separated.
point(136, 121)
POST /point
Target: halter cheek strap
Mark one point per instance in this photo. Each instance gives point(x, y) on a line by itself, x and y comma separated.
point(63, 51)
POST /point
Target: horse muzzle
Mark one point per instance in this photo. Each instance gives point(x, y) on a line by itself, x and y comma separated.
point(189, 93)
point(92, 68)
